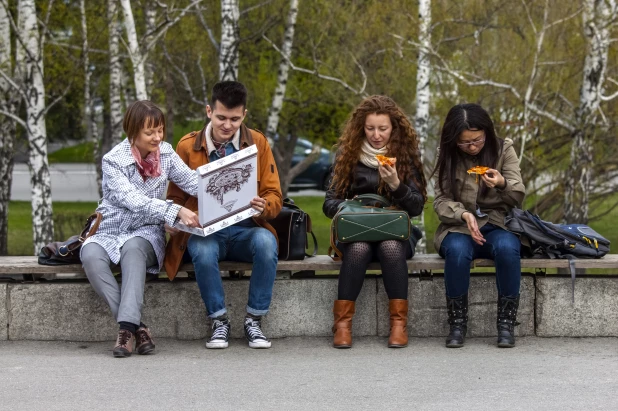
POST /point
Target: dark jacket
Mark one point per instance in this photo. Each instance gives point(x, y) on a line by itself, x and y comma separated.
point(366, 180)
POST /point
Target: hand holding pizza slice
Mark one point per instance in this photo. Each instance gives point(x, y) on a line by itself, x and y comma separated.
point(383, 160)
point(479, 171)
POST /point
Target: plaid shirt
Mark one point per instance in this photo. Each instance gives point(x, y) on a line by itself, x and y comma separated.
point(132, 206)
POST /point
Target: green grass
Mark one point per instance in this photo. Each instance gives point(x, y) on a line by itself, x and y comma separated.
point(68, 218)
point(80, 153)
point(84, 152)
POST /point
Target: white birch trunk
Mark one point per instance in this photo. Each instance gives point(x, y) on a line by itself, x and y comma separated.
point(8, 103)
point(151, 17)
point(228, 47)
point(139, 74)
point(423, 96)
point(115, 73)
point(598, 16)
point(284, 69)
point(42, 223)
point(87, 120)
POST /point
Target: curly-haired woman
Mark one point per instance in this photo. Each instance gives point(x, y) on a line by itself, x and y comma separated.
point(376, 127)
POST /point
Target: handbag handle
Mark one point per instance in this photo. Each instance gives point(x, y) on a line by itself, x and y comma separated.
point(367, 198)
point(88, 231)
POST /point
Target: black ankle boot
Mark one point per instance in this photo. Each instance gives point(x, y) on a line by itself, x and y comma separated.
point(507, 316)
point(458, 320)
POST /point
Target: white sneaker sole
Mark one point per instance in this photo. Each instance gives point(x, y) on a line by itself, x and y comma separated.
point(217, 345)
point(260, 344)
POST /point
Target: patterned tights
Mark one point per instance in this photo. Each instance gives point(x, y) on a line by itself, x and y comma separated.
point(391, 254)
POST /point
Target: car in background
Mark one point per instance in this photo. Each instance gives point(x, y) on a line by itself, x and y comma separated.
point(317, 174)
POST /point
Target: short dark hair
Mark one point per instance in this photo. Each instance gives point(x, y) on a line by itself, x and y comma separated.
point(231, 94)
point(139, 115)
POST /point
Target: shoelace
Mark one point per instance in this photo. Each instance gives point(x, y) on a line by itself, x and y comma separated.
point(124, 337)
point(142, 336)
point(220, 330)
point(254, 330)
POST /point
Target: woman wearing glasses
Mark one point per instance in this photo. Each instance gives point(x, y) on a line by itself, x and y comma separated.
point(471, 211)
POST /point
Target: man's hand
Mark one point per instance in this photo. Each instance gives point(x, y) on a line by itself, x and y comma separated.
point(477, 237)
point(493, 178)
point(258, 205)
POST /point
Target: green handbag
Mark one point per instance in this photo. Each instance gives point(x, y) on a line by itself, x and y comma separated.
point(367, 217)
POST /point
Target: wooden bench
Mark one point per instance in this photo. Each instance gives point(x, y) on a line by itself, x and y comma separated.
point(16, 267)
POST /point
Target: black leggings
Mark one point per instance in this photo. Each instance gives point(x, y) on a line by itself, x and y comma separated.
point(391, 254)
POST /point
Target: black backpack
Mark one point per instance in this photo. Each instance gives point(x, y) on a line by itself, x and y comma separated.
point(549, 240)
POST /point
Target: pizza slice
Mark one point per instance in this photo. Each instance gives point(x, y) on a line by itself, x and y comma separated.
point(383, 160)
point(478, 170)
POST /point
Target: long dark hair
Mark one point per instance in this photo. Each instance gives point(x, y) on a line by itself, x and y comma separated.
point(460, 118)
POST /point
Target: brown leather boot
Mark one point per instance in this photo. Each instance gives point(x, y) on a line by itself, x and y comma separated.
point(343, 311)
point(399, 323)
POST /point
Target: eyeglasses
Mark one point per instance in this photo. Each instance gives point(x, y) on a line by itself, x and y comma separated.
point(475, 142)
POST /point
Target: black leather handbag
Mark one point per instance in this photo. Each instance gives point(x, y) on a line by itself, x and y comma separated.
point(292, 226)
point(67, 252)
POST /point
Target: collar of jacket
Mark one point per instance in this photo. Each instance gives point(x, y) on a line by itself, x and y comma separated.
point(245, 139)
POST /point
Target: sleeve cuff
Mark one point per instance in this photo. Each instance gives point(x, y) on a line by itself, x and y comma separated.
point(401, 191)
point(171, 213)
point(506, 187)
point(460, 213)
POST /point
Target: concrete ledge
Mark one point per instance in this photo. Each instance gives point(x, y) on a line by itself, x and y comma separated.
point(303, 307)
point(427, 311)
point(594, 313)
point(4, 312)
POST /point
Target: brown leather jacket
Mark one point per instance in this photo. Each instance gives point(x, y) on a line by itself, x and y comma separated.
point(192, 149)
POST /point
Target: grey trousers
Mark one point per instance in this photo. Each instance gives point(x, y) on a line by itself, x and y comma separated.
point(135, 256)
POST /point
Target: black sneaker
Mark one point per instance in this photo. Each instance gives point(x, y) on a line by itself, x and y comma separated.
point(220, 334)
point(253, 332)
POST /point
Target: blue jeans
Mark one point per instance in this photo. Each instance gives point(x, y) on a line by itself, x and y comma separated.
point(501, 246)
point(235, 243)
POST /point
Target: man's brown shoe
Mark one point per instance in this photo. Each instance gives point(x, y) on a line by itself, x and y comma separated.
point(124, 344)
point(144, 344)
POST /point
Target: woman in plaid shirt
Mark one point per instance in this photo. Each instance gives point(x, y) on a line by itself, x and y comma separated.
point(131, 234)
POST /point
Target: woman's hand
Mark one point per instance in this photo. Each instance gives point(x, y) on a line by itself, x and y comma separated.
point(493, 178)
point(188, 218)
point(389, 175)
point(258, 204)
point(477, 237)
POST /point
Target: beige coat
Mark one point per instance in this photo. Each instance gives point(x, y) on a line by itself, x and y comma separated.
point(496, 204)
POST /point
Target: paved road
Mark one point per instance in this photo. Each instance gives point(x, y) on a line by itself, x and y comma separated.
point(78, 182)
point(307, 374)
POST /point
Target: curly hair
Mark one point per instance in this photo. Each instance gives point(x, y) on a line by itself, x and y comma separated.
point(403, 145)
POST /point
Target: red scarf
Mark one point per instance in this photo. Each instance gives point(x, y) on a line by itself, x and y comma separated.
point(149, 166)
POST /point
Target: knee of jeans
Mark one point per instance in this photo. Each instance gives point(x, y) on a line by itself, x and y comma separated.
point(264, 243)
point(507, 244)
point(456, 249)
point(203, 248)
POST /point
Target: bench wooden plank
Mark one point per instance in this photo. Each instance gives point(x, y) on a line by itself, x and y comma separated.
point(29, 265)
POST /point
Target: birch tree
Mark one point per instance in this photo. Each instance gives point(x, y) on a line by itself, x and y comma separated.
point(423, 96)
point(599, 17)
point(88, 120)
point(283, 149)
point(230, 38)
point(31, 44)
point(8, 105)
point(135, 53)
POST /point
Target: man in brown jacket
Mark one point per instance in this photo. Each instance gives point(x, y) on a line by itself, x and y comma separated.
point(252, 240)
